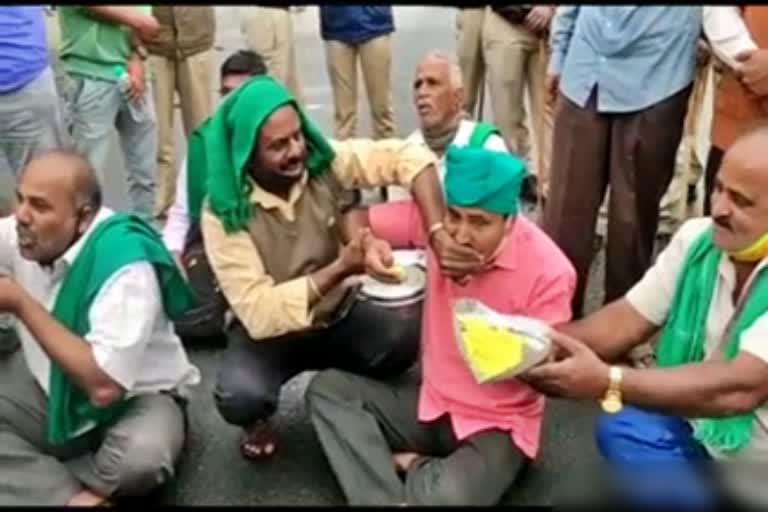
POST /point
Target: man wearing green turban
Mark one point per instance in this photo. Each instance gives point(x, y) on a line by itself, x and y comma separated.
point(271, 213)
point(453, 440)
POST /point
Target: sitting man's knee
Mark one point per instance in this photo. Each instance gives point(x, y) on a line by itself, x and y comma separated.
point(242, 405)
point(330, 383)
point(147, 463)
point(617, 434)
point(435, 487)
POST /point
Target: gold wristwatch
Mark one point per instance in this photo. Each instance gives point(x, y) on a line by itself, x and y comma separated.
point(611, 402)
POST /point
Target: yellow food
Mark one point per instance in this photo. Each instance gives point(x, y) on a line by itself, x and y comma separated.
point(396, 274)
point(492, 351)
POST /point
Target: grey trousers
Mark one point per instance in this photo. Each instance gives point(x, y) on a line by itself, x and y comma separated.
point(97, 108)
point(131, 458)
point(360, 423)
point(31, 122)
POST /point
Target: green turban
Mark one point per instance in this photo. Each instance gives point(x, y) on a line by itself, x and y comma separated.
point(480, 178)
point(220, 149)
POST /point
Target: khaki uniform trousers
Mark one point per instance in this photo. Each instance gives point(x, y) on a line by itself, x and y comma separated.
point(191, 79)
point(268, 31)
point(688, 171)
point(375, 58)
point(469, 49)
point(515, 61)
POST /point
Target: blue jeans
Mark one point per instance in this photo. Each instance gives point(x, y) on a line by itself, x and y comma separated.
point(655, 460)
point(97, 107)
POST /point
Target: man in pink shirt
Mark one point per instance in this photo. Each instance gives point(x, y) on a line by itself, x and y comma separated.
point(454, 441)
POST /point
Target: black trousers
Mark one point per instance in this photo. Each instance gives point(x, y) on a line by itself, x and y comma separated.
point(367, 341)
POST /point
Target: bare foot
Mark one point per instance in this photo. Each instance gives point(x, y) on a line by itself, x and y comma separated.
point(258, 441)
point(87, 498)
point(404, 460)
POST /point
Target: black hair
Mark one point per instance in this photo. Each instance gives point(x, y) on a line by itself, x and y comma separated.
point(244, 62)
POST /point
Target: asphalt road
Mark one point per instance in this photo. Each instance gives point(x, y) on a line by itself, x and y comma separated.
point(212, 472)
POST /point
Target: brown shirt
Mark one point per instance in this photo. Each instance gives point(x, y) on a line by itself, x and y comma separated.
point(736, 109)
point(263, 271)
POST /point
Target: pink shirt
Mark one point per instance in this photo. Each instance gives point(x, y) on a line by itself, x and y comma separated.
point(530, 276)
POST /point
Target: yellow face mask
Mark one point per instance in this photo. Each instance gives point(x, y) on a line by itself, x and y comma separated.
point(753, 253)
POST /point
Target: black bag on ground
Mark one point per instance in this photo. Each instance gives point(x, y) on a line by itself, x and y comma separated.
point(203, 325)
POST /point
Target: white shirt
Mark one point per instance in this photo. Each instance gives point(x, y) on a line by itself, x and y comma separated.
point(652, 298)
point(132, 339)
point(727, 33)
point(177, 224)
point(463, 134)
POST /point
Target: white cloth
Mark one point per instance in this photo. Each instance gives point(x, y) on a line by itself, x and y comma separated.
point(177, 224)
point(727, 33)
point(463, 134)
point(652, 297)
point(132, 339)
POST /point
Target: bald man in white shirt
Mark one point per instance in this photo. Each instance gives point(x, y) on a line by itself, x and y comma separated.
point(129, 355)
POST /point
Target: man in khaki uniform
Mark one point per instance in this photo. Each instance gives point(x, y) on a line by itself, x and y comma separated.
point(352, 33)
point(513, 39)
point(268, 31)
point(469, 48)
point(181, 60)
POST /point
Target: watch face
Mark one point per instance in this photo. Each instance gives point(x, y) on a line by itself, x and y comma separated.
point(611, 404)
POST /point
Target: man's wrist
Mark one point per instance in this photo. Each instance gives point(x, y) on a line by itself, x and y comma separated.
point(368, 239)
point(611, 401)
point(435, 230)
point(339, 270)
point(135, 59)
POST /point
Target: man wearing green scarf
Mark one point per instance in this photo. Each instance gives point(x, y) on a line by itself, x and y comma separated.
point(271, 212)
point(438, 437)
point(703, 407)
point(93, 405)
point(438, 100)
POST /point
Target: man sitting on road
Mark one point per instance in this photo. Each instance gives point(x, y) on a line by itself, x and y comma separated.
point(271, 226)
point(93, 405)
point(707, 296)
point(457, 442)
point(438, 97)
point(203, 324)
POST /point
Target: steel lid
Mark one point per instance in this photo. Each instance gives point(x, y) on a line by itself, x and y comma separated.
point(412, 286)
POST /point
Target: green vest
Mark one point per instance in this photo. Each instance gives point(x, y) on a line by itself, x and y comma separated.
point(481, 133)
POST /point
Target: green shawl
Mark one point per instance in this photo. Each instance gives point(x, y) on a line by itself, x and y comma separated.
point(682, 340)
point(120, 240)
point(221, 148)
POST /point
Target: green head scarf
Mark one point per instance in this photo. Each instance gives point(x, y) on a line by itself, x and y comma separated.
point(220, 149)
point(480, 178)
